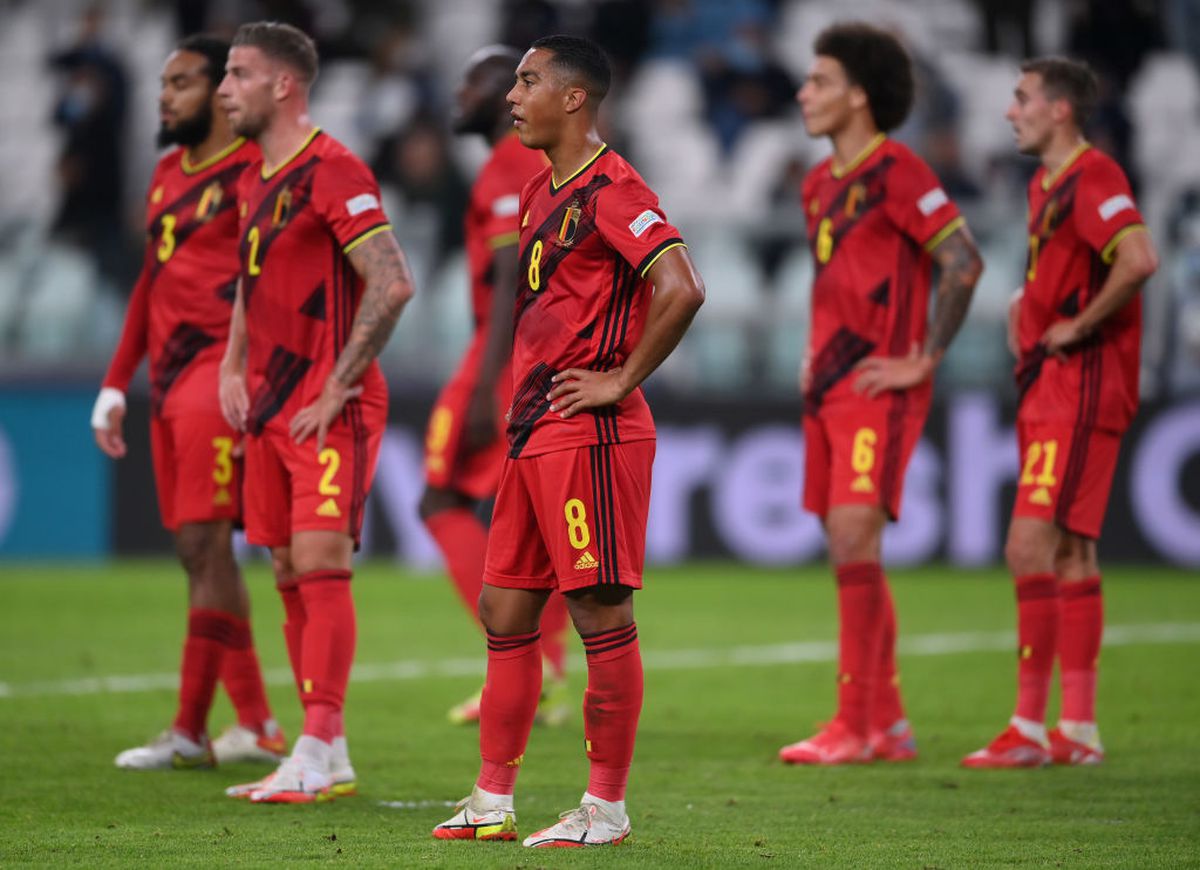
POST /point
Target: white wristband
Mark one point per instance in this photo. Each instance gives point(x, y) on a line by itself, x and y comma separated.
point(109, 398)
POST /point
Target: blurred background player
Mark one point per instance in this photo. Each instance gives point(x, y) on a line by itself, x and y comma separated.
point(179, 314)
point(878, 219)
point(464, 444)
point(1078, 335)
point(606, 292)
point(323, 282)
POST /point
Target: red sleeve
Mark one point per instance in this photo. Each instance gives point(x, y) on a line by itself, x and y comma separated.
point(629, 219)
point(134, 337)
point(1104, 208)
point(918, 206)
point(498, 196)
point(346, 194)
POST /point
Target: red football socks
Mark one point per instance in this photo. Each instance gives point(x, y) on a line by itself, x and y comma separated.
point(1037, 637)
point(510, 699)
point(555, 620)
point(611, 707)
point(1082, 613)
point(327, 649)
point(242, 677)
point(462, 538)
point(888, 709)
point(861, 613)
point(293, 625)
point(208, 633)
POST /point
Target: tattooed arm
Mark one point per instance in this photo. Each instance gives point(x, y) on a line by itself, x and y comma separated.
point(389, 286)
point(960, 267)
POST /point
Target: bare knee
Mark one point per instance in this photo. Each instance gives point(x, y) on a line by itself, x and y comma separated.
point(434, 500)
point(600, 608)
point(1031, 547)
point(511, 611)
point(321, 551)
point(854, 534)
point(1076, 558)
point(204, 550)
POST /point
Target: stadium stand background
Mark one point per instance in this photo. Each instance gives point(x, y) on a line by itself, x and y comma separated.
point(703, 106)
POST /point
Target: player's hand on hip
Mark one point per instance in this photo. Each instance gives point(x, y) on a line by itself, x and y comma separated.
point(235, 401)
point(1059, 338)
point(577, 390)
point(108, 422)
point(878, 374)
point(315, 419)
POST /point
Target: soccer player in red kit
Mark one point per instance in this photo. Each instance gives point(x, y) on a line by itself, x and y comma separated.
point(606, 290)
point(878, 220)
point(179, 316)
point(322, 284)
point(1078, 335)
point(464, 445)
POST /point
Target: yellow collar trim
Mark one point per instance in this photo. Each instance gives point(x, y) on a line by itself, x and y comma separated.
point(556, 185)
point(292, 156)
point(189, 169)
point(1050, 177)
point(842, 172)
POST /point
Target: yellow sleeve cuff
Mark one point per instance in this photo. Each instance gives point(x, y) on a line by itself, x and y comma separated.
point(350, 246)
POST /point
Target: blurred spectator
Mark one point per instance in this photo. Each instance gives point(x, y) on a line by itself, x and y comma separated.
point(91, 113)
point(1111, 130)
point(1007, 27)
point(527, 20)
point(1114, 35)
point(1182, 25)
point(398, 89)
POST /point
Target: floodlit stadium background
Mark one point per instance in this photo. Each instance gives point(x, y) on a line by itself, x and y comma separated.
point(703, 107)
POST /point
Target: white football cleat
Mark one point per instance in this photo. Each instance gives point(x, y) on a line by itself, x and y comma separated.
point(293, 782)
point(476, 820)
point(341, 772)
point(169, 750)
point(238, 743)
point(587, 825)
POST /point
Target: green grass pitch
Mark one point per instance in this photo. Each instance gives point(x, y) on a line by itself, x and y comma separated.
point(738, 663)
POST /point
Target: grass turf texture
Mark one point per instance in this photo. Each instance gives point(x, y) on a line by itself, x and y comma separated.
point(706, 788)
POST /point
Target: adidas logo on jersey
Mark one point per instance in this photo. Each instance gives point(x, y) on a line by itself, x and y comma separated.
point(586, 562)
point(862, 483)
point(222, 497)
point(328, 508)
point(1041, 496)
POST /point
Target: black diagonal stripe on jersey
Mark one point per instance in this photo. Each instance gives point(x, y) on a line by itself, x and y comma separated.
point(1070, 306)
point(314, 305)
point(285, 370)
point(908, 271)
point(552, 252)
point(872, 180)
point(616, 323)
point(179, 350)
point(528, 406)
point(227, 292)
point(882, 294)
point(300, 180)
point(1028, 369)
point(832, 363)
point(185, 205)
point(1057, 207)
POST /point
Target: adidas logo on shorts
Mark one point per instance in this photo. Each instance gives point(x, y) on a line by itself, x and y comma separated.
point(586, 562)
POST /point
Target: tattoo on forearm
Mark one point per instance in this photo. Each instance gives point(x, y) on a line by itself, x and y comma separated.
point(960, 268)
point(388, 286)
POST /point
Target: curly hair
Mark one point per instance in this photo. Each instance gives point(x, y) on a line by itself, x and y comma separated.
point(875, 61)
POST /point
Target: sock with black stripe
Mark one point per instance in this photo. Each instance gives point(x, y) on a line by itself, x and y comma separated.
point(611, 707)
point(506, 710)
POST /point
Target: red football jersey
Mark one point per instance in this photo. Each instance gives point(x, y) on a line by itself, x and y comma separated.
point(586, 245)
point(1076, 218)
point(180, 307)
point(493, 215)
point(871, 226)
point(301, 293)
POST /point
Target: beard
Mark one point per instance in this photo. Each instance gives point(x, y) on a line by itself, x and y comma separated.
point(249, 126)
point(187, 132)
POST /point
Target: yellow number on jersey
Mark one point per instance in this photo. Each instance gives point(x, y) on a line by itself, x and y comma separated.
point(332, 461)
point(578, 532)
point(253, 238)
point(535, 267)
point(1047, 452)
point(223, 461)
point(166, 243)
point(824, 240)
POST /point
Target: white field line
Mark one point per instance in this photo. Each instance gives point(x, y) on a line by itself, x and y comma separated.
point(814, 652)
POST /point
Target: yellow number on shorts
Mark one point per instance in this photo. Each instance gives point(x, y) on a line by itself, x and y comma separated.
point(332, 461)
point(577, 528)
point(223, 462)
point(535, 267)
point(166, 244)
point(862, 454)
point(253, 238)
point(1034, 244)
point(439, 429)
point(1047, 453)
point(824, 240)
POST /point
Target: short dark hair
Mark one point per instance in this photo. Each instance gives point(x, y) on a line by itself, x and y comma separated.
point(283, 42)
point(1070, 80)
point(214, 50)
point(581, 58)
point(875, 61)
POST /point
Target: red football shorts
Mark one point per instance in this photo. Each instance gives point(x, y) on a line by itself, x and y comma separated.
point(447, 464)
point(571, 519)
point(856, 452)
point(292, 488)
point(197, 477)
point(1066, 474)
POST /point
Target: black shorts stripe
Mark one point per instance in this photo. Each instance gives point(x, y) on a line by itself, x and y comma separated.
point(890, 474)
point(602, 504)
point(610, 532)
